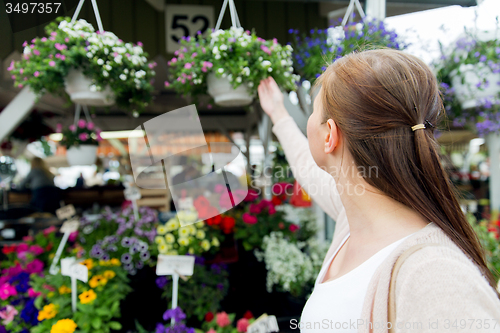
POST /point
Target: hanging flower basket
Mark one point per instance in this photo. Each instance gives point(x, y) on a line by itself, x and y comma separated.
point(229, 65)
point(80, 90)
point(225, 95)
point(113, 70)
point(474, 84)
point(82, 155)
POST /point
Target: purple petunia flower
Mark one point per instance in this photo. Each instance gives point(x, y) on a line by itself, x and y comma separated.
point(176, 314)
point(145, 256)
point(162, 281)
point(126, 258)
point(126, 242)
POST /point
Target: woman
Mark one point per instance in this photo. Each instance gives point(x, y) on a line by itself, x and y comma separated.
point(44, 195)
point(372, 164)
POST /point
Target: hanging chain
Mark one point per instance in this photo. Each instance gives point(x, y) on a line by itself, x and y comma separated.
point(350, 10)
point(235, 21)
point(96, 12)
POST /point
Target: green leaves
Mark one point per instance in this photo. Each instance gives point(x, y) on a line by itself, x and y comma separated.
point(114, 325)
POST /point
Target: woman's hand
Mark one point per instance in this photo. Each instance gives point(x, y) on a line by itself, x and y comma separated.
point(271, 99)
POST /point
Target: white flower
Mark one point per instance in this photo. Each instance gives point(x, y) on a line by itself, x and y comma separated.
point(250, 84)
point(246, 71)
point(194, 75)
point(238, 79)
point(100, 62)
point(224, 75)
point(140, 74)
point(105, 73)
point(93, 88)
point(27, 50)
point(220, 70)
point(125, 71)
point(260, 58)
point(223, 47)
point(217, 56)
point(290, 69)
point(106, 51)
point(123, 77)
point(244, 44)
point(230, 78)
point(108, 67)
point(284, 62)
point(266, 63)
point(118, 59)
point(269, 69)
point(89, 55)
point(286, 74)
point(215, 50)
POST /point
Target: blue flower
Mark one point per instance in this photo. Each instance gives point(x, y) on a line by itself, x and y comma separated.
point(30, 314)
point(176, 314)
point(162, 281)
point(290, 31)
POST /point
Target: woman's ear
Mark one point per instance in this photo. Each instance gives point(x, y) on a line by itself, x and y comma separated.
point(332, 138)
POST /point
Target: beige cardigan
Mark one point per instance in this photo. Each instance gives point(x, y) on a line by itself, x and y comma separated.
point(438, 289)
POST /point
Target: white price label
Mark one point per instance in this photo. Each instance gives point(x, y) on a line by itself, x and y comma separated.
point(65, 212)
point(70, 226)
point(264, 324)
point(69, 267)
point(132, 193)
point(186, 20)
point(168, 265)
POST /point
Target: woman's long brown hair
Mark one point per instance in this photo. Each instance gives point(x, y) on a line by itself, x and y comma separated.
point(375, 97)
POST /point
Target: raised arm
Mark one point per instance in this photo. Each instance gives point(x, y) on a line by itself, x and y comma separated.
point(316, 182)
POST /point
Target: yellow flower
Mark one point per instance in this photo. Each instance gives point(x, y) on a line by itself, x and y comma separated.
point(48, 312)
point(183, 241)
point(170, 238)
point(159, 240)
point(89, 263)
point(64, 326)
point(52, 255)
point(162, 248)
point(184, 232)
point(50, 294)
point(103, 263)
point(64, 290)
point(115, 262)
point(200, 224)
point(109, 274)
point(192, 229)
point(172, 253)
point(215, 242)
point(191, 250)
point(200, 234)
point(205, 245)
point(98, 280)
point(87, 296)
point(187, 216)
point(172, 224)
point(161, 230)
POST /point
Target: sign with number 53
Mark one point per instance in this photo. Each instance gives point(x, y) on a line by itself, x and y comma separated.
point(186, 20)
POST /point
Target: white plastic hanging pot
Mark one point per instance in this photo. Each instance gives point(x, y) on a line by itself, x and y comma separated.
point(78, 88)
point(225, 95)
point(464, 80)
point(82, 155)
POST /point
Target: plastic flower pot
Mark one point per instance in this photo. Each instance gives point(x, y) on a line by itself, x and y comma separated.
point(82, 155)
point(225, 95)
point(465, 80)
point(78, 88)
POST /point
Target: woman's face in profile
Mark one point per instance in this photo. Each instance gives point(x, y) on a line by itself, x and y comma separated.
point(317, 133)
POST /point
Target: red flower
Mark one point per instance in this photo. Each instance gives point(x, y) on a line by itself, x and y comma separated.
point(281, 225)
point(49, 247)
point(216, 220)
point(227, 224)
point(271, 210)
point(248, 315)
point(249, 219)
point(251, 195)
point(255, 209)
point(281, 188)
point(293, 227)
point(9, 249)
point(49, 230)
point(209, 317)
point(242, 325)
point(201, 202)
point(276, 201)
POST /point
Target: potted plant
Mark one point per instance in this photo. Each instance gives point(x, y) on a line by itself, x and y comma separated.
point(229, 65)
point(94, 68)
point(471, 66)
point(81, 141)
point(313, 52)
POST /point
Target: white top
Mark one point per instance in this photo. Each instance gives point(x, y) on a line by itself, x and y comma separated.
point(335, 306)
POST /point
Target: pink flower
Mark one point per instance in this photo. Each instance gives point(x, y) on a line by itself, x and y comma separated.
point(219, 188)
point(36, 249)
point(36, 52)
point(33, 40)
point(211, 331)
point(66, 39)
point(207, 64)
point(249, 219)
point(140, 44)
point(72, 128)
point(203, 50)
point(52, 229)
point(181, 56)
point(83, 136)
point(209, 106)
point(11, 67)
point(183, 81)
point(222, 319)
point(25, 43)
point(13, 77)
point(271, 210)
point(63, 57)
point(98, 137)
point(194, 54)
point(90, 126)
point(282, 188)
point(36, 266)
point(293, 227)
point(251, 195)
point(52, 63)
point(189, 77)
point(275, 41)
point(53, 33)
point(225, 201)
point(204, 69)
point(21, 70)
point(242, 325)
point(44, 39)
point(6, 290)
point(23, 247)
point(58, 128)
point(58, 55)
point(36, 74)
point(255, 209)
point(32, 293)
point(265, 49)
point(28, 238)
point(72, 237)
point(82, 123)
point(167, 84)
point(52, 38)
point(8, 314)
point(188, 65)
point(20, 85)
